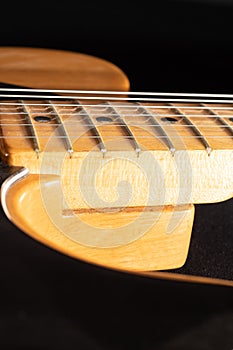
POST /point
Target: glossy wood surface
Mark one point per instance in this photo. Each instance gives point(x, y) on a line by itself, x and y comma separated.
point(153, 249)
point(56, 69)
point(206, 175)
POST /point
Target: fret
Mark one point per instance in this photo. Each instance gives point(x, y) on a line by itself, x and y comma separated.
point(31, 127)
point(194, 127)
point(127, 128)
point(219, 118)
point(155, 122)
point(62, 129)
point(94, 129)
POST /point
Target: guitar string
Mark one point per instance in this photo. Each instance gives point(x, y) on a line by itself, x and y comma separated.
point(124, 106)
point(107, 114)
point(128, 106)
point(120, 137)
point(77, 114)
point(40, 125)
point(102, 98)
point(177, 125)
point(225, 137)
point(174, 124)
point(107, 92)
point(16, 105)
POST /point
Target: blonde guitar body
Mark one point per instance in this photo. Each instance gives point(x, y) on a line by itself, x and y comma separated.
point(154, 250)
point(142, 236)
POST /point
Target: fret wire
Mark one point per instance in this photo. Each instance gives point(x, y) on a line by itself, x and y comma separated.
point(162, 130)
point(32, 129)
point(94, 130)
point(62, 128)
point(196, 130)
point(220, 119)
point(127, 128)
point(172, 107)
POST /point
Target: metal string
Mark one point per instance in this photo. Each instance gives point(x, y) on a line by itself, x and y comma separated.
point(115, 105)
point(110, 125)
point(125, 106)
point(99, 106)
point(119, 137)
point(123, 113)
point(147, 99)
point(140, 93)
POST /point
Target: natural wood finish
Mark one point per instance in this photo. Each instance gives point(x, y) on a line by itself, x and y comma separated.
point(57, 199)
point(148, 136)
point(178, 277)
point(155, 249)
point(156, 178)
point(191, 175)
point(56, 69)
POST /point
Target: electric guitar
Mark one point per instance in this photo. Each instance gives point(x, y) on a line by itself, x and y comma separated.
point(103, 174)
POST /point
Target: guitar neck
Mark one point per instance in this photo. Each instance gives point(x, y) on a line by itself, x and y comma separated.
point(189, 138)
point(78, 126)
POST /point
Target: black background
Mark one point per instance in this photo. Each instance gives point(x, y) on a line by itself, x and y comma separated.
point(48, 300)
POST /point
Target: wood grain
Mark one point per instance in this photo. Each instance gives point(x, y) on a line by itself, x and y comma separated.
point(155, 178)
point(58, 69)
point(128, 210)
point(154, 247)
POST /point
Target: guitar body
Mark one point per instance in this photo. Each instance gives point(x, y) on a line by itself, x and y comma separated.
point(55, 69)
point(25, 206)
point(37, 201)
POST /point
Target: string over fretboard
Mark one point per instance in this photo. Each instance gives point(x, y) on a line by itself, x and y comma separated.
point(153, 122)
